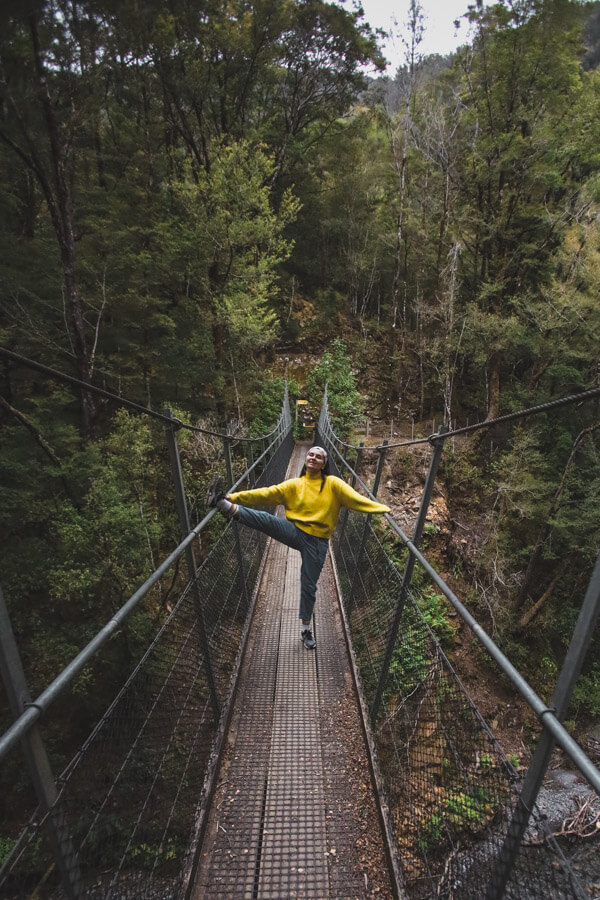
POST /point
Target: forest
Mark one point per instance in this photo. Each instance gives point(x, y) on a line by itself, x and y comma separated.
point(191, 191)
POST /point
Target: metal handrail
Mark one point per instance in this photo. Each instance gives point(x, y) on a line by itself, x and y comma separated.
point(123, 401)
point(545, 714)
point(591, 394)
point(38, 707)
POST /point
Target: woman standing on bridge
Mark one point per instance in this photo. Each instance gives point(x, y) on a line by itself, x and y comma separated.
point(312, 504)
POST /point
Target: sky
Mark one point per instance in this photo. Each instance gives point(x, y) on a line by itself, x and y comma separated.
point(440, 35)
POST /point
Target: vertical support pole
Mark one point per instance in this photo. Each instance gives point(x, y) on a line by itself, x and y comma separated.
point(438, 448)
point(250, 461)
point(344, 515)
point(580, 642)
point(235, 526)
point(365, 531)
point(13, 676)
point(185, 527)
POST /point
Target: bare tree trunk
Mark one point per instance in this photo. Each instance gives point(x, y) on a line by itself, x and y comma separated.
point(237, 393)
point(493, 376)
point(530, 615)
point(400, 153)
point(39, 440)
point(401, 170)
point(443, 224)
point(58, 197)
point(218, 334)
point(450, 276)
point(33, 430)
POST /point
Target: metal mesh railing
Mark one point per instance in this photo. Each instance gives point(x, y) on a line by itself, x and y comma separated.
point(450, 788)
point(123, 821)
point(126, 817)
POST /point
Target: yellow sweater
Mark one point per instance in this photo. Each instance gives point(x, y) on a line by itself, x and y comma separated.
point(309, 508)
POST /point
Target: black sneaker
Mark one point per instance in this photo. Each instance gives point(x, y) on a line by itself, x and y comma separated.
point(215, 492)
point(308, 640)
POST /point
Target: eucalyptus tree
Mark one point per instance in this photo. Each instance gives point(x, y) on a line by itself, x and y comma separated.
point(319, 74)
point(524, 179)
point(400, 138)
point(112, 109)
point(521, 169)
point(277, 71)
point(45, 111)
point(548, 482)
point(341, 257)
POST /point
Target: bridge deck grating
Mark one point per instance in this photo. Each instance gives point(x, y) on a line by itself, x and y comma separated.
point(293, 814)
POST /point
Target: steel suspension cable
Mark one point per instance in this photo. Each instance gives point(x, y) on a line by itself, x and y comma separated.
point(545, 714)
point(122, 401)
point(38, 707)
point(488, 423)
point(521, 414)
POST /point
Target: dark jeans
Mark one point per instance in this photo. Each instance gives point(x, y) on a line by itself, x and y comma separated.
point(313, 551)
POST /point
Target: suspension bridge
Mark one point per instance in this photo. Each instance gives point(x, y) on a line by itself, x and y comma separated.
point(235, 764)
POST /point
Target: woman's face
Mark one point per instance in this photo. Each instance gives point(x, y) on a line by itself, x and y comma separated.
point(315, 460)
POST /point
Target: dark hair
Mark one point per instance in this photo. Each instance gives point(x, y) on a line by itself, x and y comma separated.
point(325, 471)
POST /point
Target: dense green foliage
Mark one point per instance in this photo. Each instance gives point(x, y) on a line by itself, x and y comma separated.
point(185, 186)
point(343, 399)
point(146, 203)
point(268, 403)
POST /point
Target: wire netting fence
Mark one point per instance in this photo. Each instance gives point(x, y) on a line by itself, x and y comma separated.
point(450, 788)
point(127, 804)
point(124, 820)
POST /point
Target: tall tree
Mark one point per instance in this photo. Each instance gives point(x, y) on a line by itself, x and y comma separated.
point(279, 72)
point(401, 138)
point(520, 170)
point(105, 112)
point(43, 108)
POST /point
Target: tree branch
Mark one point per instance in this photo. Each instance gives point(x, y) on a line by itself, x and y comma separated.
point(532, 613)
point(40, 441)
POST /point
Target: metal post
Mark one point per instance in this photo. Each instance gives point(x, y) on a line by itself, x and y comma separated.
point(438, 448)
point(40, 772)
point(344, 515)
point(580, 642)
point(184, 523)
point(250, 464)
point(235, 526)
point(365, 530)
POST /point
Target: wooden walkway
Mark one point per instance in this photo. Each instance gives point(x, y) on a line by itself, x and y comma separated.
point(294, 814)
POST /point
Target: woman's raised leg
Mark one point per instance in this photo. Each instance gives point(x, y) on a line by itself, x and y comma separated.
point(276, 527)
